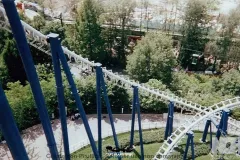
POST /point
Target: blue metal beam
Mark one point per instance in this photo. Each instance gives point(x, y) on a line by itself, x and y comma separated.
point(54, 43)
point(223, 124)
point(99, 107)
point(31, 73)
point(189, 140)
point(225, 121)
point(171, 117)
point(78, 100)
point(133, 118)
point(169, 124)
point(192, 147)
point(205, 132)
point(10, 130)
point(210, 135)
point(139, 122)
point(109, 109)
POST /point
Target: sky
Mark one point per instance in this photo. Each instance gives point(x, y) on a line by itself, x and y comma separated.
point(225, 6)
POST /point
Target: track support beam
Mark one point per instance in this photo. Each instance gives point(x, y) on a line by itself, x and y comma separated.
point(99, 108)
point(25, 54)
point(189, 142)
point(169, 124)
point(101, 82)
point(205, 132)
point(136, 106)
point(63, 60)
point(54, 42)
point(222, 130)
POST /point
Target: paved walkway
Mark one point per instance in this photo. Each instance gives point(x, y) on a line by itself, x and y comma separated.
point(35, 142)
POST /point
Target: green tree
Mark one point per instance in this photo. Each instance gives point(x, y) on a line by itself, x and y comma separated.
point(21, 101)
point(227, 48)
point(152, 59)
point(194, 31)
point(38, 22)
point(88, 41)
point(54, 27)
point(117, 15)
point(11, 63)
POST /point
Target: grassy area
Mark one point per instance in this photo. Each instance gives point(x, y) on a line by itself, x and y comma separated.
point(210, 157)
point(152, 141)
point(149, 149)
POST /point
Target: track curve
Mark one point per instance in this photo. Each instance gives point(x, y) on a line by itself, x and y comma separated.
point(181, 131)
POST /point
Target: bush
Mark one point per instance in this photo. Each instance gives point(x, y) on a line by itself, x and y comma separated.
point(25, 112)
point(199, 150)
point(150, 103)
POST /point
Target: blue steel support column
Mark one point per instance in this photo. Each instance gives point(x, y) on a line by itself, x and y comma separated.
point(10, 130)
point(225, 121)
point(99, 108)
point(133, 118)
point(192, 147)
point(169, 124)
point(78, 100)
point(31, 73)
point(211, 135)
point(205, 132)
point(109, 110)
point(139, 122)
point(54, 42)
point(171, 118)
point(189, 140)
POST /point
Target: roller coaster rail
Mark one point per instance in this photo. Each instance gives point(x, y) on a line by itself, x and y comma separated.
point(39, 41)
point(181, 131)
point(146, 126)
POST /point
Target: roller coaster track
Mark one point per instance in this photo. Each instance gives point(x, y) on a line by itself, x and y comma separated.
point(39, 41)
point(169, 144)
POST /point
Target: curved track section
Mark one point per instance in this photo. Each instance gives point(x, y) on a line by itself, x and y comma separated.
point(181, 131)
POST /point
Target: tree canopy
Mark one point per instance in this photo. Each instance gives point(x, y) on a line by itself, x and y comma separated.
point(152, 58)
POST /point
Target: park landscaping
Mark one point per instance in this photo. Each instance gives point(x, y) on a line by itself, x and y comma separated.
point(152, 140)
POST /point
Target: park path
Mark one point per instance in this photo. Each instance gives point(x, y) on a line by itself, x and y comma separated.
point(35, 141)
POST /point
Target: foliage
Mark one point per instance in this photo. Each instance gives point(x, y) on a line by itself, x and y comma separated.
point(199, 150)
point(24, 110)
point(152, 59)
point(151, 103)
point(10, 61)
point(119, 14)
point(227, 50)
point(229, 83)
point(87, 39)
point(236, 113)
point(21, 101)
point(194, 30)
point(118, 96)
point(54, 27)
point(38, 22)
point(198, 88)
